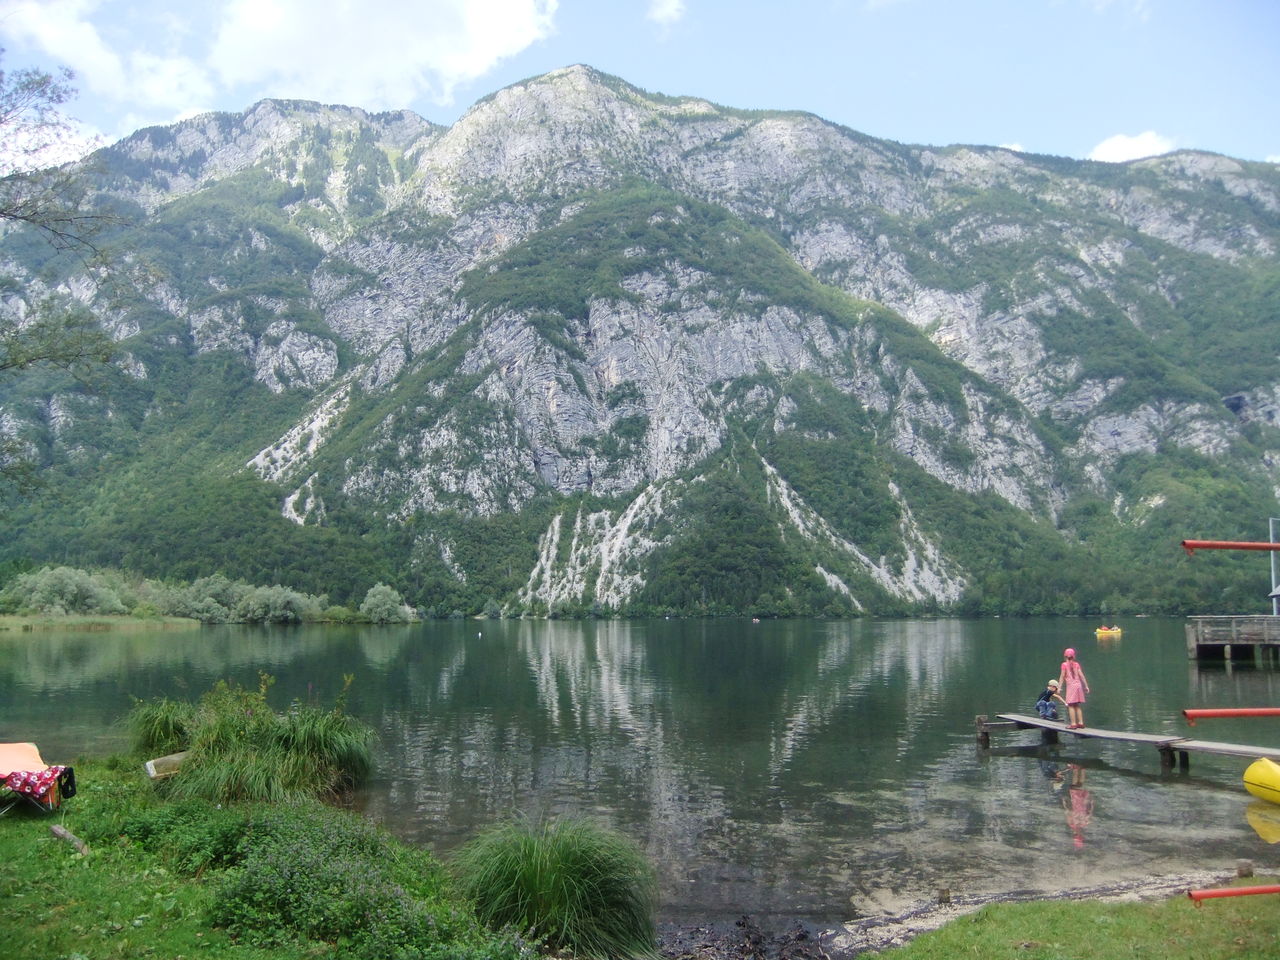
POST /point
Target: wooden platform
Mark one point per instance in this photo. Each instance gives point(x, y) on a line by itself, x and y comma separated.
point(1170, 746)
point(1255, 638)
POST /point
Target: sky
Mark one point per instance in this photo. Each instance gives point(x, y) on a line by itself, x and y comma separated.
point(1109, 80)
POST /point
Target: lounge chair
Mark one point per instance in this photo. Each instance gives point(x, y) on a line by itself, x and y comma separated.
point(25, 776)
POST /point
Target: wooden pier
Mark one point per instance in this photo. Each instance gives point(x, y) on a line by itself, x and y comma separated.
point(1173, 749)
point(1234, 638)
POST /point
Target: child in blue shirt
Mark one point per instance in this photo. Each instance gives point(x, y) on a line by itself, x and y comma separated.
point(1045, 705)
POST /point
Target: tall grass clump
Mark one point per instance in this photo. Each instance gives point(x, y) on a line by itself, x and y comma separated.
point(161, 726)
point(240, 750)
point(573, 885)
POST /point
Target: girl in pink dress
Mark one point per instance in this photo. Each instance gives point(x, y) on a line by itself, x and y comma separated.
point(1074, 686)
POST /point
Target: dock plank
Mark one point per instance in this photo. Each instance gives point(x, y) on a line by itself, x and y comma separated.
point(1097, 733)
point(1229, 749)
point(1162, 742)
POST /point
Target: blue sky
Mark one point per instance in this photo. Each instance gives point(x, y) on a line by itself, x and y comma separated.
point(1108, 79)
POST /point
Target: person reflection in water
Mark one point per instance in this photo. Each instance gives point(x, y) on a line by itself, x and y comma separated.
point(1053, 773)
point(1078, 804)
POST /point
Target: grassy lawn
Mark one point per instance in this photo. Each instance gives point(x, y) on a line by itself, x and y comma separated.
point(119, 901)
point(1242, 928)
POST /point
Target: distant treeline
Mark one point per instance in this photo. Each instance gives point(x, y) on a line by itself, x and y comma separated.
point(59, 591)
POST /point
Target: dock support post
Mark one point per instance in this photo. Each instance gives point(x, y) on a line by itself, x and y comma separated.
point(1184, 761)
point(984, 737)
point(1166, 759)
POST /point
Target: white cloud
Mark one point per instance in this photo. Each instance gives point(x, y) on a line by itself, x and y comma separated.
point(172, 83)
point(63, 29)
point(378, 55)
point(1015, 147)
point(666, 12)
point(1274, 158)
point(1123, 147)
point(371, 53)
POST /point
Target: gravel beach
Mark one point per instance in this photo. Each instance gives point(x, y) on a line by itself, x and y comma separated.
point(745, 939)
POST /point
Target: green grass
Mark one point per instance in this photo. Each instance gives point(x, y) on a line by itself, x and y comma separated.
point(241, 750)
point(1241, 928)
point(187, 879)
point(161, 726)
point(574, 885)
point(120, 900)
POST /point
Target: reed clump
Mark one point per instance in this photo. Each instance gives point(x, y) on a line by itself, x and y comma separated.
point(240, 750)
point(573, 885)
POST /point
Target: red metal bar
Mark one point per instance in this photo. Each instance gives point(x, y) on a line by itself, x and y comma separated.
point(1191, 546)
point(1209, 714)
point(1198, 895)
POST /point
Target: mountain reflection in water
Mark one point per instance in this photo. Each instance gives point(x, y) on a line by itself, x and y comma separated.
point(805, 768)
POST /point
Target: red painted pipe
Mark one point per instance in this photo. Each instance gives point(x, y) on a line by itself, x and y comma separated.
point(1198, 895)
point(1194, 715)
point(1191, 546)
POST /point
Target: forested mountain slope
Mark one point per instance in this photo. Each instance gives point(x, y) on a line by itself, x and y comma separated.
point(591, 349)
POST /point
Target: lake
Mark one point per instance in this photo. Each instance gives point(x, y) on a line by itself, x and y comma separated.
point(811, 769)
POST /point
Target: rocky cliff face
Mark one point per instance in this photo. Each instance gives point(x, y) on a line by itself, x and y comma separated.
point(585, 297)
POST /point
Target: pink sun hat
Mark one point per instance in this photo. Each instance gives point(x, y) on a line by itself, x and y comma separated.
point(1069, 653)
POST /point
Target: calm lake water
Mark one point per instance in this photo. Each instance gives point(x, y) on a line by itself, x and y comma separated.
point(812, 769)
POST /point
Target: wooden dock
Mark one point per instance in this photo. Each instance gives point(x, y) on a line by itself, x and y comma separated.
point(1172, 748)
point(1234, 637)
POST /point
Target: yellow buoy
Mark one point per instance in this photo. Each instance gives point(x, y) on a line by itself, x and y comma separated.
point(1262, 779)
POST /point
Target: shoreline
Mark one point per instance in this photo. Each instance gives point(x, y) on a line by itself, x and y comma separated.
point(804, 940)
point(91, 623)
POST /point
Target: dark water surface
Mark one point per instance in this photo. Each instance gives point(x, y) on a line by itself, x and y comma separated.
point(810, 769)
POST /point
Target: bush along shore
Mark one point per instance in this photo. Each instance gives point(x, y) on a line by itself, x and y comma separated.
point(239, 855)
point(71, 598)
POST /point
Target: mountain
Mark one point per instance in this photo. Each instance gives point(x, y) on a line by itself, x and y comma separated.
point(595, 349)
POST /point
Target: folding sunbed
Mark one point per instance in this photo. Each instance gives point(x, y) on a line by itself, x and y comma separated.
point(25, 776)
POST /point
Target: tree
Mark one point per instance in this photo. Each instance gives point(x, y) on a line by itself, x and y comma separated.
point(61, 590)
point(383, 604)
point(34, 136)
point(51, 201)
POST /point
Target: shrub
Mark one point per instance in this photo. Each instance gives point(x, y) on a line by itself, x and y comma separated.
point(61, 590)
point(277, 604)
point(208, 599)
point(382, 604)
point(338, 614)
point(146, 610)
point(327, 875)
point(207, 610)
point(194, 834)
point(573, 884)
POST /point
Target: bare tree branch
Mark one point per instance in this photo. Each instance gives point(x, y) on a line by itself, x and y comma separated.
point(53, 202)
